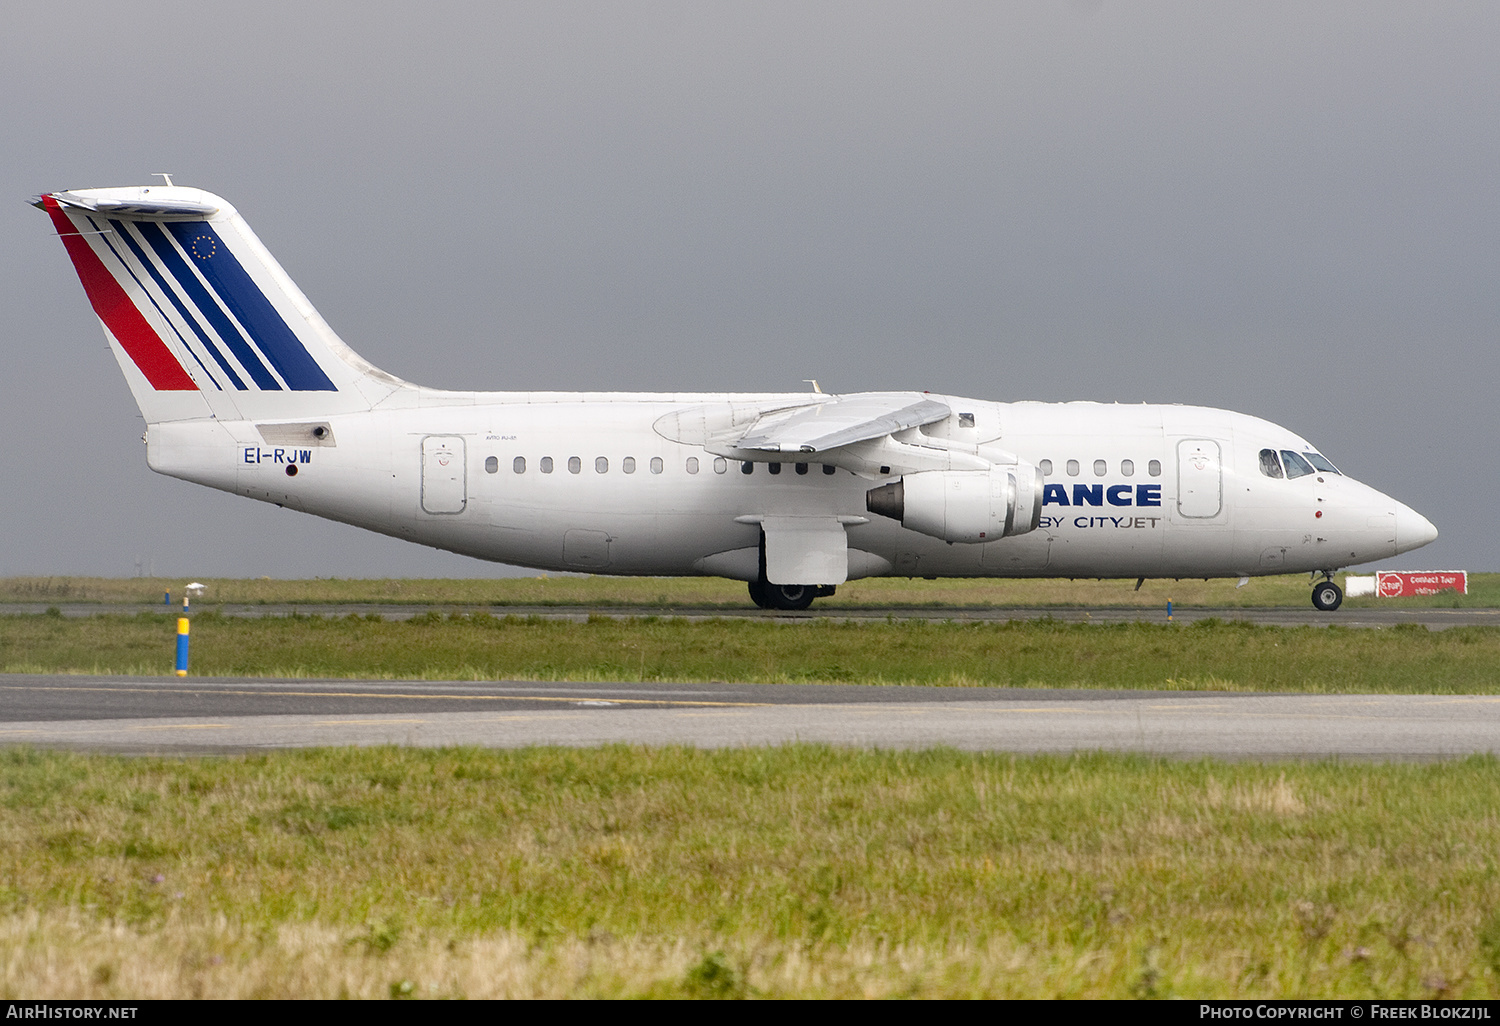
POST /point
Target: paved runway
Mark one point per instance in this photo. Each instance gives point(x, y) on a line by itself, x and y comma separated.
point(1280, 616)
point(168, 715)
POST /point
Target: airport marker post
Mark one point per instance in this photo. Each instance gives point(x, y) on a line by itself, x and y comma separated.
point(182, 625)
point(182, 646)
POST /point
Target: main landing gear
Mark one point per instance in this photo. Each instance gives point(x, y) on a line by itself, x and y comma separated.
point(1326, 595)
point(786, 596)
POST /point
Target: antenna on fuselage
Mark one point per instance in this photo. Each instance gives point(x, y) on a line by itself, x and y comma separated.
point(814, 383)
point(164, 176)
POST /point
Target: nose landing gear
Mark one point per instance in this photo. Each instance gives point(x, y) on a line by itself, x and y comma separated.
point(1326, 595)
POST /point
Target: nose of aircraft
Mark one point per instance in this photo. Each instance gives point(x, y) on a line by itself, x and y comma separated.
point(1413, 530)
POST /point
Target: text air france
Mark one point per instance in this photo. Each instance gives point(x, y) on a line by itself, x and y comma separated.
point(1102, 495)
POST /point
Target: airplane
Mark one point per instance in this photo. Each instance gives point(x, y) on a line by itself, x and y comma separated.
point(245, 388)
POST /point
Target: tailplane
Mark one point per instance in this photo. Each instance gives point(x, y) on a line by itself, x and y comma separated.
point(202, 319)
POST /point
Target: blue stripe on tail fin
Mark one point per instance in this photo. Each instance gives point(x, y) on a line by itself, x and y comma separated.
point(205, 303)
point(277, 342)
point(123, 233)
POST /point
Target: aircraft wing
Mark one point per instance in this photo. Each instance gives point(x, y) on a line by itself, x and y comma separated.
point(841, 421)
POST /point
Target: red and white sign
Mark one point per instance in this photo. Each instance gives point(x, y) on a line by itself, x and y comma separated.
point(1398, 584)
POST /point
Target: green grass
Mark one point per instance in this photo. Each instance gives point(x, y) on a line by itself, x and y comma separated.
point(698, 592)
point(1210, 654)
point(793, 871)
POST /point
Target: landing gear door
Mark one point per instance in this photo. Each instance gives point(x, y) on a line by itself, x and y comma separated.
point(1200, 479)
point(444, 489)
point(806, 550)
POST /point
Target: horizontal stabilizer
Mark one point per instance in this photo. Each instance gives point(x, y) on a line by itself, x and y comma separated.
point(143, 204)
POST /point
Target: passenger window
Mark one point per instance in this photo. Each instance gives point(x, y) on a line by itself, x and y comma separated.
point(1100, 468)
point(601, 465)
point(1072, 468)
point(1154, 468)
point(575, 465)
point(1270, 465)
point(774, 468)
point(747, 467)
point(720, 464)
point(1296, 466)
point(546, 464)
point(656, 464)
point(628, 464)
point(801, 467)
point(1045, 467)
point(829, 468)
point(1127, 468)
point(518, 465)
point(965, 420)
point(1321, 462)
point(492, 464)
point(692, 464)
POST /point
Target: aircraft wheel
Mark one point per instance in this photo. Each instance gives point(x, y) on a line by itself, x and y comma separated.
point(759, 595)
point(791, 596)
point(1327, 596)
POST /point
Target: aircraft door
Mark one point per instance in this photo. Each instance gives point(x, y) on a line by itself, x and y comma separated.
point(444, 487)
point(1200, 479)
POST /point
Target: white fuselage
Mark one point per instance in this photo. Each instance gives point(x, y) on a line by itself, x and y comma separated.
point(245, 388)
point(1131, 491)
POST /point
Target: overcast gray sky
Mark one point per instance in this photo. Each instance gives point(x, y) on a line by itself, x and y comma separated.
point(1290, 210)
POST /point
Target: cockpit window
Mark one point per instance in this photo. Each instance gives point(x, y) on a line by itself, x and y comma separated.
point(1296, 466)
point(1269, 464)
point(1321, 462)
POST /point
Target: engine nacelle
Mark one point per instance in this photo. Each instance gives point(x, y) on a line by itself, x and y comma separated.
point(970, 506)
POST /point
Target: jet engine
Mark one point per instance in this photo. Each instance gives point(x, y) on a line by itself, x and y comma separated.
point(968, 506)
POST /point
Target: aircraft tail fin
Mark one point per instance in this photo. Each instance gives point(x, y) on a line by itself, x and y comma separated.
point(202, 319)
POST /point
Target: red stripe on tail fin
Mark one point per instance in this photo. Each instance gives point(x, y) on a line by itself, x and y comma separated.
point(118, 313)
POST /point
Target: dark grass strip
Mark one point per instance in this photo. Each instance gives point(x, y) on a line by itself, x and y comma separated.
point(1212, 655)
